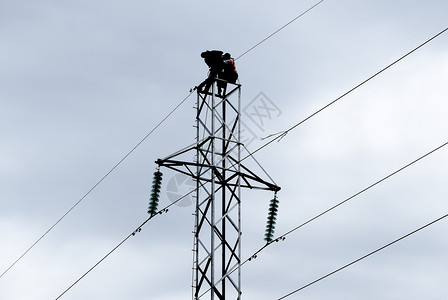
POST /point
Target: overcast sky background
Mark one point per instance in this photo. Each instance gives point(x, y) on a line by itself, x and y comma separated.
point(82, 82)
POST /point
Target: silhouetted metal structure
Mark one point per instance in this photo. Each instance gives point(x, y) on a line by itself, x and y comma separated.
point(219, 176)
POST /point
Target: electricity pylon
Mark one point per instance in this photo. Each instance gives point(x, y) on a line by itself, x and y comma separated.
point(219, 176)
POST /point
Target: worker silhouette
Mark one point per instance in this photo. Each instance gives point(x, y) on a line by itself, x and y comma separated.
point(228, 73)
point(221, 66)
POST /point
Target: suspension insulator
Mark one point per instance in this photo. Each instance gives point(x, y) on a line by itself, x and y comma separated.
point(272, 217)
point(155, 193)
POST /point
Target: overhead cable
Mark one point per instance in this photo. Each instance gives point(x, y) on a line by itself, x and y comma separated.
point(282, 134)
point(95, 186)
point(275, 32)
point(363, 257)
point(364, 190)
point(139, 228)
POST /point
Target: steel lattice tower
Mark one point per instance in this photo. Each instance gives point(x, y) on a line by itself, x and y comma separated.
point(219, 176)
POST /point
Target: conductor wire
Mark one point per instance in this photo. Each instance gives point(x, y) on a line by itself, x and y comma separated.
point(165, 209)
point(282, 134)
point(363, 190)
point(275, 32)
point(94, 187)
point(363, 257)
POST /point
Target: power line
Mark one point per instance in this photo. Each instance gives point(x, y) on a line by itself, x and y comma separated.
point(364, 190)
point(363, 257)
point(275, 32)
point(283, 236)
point(282, 134)
point(94, 187)
point(139, 228)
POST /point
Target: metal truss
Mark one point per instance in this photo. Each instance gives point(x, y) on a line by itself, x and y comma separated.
point(219, 176)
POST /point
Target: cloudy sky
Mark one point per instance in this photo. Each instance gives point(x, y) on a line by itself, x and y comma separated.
point(82, 82)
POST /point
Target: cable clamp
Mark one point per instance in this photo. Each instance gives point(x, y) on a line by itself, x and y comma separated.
point(136, 231)
point(282, 238)
point(253, 257)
